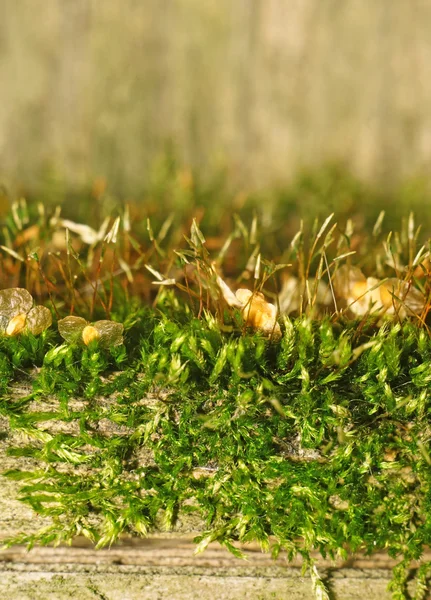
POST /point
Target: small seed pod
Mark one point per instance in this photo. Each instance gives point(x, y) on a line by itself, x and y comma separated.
point(89, 334)
point(19, 315)
point(16, 324)
point(77, 330)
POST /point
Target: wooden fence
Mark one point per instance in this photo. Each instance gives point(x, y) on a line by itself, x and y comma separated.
point(96, 87)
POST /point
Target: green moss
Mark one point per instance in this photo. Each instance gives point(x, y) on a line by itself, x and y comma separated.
point(317, 441)
point(301, 445)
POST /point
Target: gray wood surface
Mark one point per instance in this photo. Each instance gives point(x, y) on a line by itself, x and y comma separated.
point(162, 566)
point(165, 567)
point(96, 87)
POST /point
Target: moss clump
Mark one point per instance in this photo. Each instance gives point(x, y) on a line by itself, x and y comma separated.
point(314, 438)
point(317, 442)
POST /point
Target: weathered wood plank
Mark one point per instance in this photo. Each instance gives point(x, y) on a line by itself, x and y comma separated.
point(166, 567)
point(163, 565)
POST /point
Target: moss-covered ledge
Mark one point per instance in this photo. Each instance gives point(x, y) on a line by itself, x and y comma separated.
point(165, 561)
point(318, 443)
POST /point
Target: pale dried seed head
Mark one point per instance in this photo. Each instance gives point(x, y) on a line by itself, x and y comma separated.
point(258, 313)
point(359, 289)
point(365, 297)
point(16, 324)
point(423, 268)
point(387, 296)
point(345, 279)
point(243, 295)
point(402, 297)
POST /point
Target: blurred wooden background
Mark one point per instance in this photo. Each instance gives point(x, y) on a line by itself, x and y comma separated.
point(96, 87)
